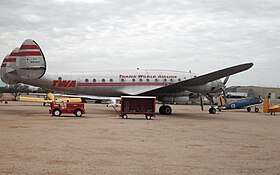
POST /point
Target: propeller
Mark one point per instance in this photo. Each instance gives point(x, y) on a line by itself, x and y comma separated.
point(224, 88)
point(201, 102)
point(226, 80)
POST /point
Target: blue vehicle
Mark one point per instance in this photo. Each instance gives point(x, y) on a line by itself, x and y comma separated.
point(243, 103)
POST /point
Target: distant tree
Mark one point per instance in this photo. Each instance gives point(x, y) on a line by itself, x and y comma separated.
point(42, 90)
point(2, 90)
point(17, 89)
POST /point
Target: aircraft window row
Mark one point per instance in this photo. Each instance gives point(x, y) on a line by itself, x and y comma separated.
point(123, 80)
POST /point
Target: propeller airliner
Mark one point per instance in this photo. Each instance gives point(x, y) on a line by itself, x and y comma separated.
point(27, 65)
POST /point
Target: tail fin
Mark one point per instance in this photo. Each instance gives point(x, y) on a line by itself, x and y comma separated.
point(266, 105)
point(27, 62)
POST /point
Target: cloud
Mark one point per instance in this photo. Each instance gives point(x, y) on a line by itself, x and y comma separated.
point(101, 34)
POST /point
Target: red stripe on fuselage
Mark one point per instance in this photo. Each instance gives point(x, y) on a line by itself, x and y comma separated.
point(10, 60)
point(125, 84)
point(3, 65)
point(30, 54)
point(29, 47)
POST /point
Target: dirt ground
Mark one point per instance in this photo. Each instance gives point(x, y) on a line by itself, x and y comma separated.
point(188, 142)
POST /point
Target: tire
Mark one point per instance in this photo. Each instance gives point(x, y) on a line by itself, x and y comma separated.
point(78, 113)
point(212, 111)
point(257, 109)
point(148, 117)
point(249, 109)
point(56, 112)
point(125, 116)
point(161, 110)
point(167, 110)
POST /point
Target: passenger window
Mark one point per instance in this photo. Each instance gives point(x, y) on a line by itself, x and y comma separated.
point(122, 80)
point(179, 79)
point(156, 80)
point(133, 80)
point(103, 80)
point(147, 80)
point(140, 80)
point(59, 78)
point(111, 80)
point(86, 80)
point(94, 80)
point(171, 79)
point(165, 79)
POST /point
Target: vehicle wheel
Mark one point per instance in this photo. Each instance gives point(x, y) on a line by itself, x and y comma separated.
point(56, 112)
point(161, 110)
point(78, 113)
point(249, 109)
point(148, 117)
point(167, 110)
point(124, 116)
point(212, 111)
point(257, 109)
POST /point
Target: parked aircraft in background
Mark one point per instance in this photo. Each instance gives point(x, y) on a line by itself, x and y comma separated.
point(27, 65)
point(6, 100)
point(98, 99)
point(49, 98)
point(243, 103)
point(268, 107)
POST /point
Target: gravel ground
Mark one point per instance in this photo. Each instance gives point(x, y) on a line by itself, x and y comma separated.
point(188, 142)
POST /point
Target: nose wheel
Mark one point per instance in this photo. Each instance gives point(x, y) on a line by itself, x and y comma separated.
point(165, 110)
point(212, 111)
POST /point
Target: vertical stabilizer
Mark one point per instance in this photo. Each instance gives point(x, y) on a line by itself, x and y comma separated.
point(31, 63)
point(26, 62)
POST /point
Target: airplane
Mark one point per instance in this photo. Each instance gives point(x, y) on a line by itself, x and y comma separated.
point(6, 100)
point(27, 65)
point(268, 107)
point(50, 98)
point(111, 101)
point(247, 103)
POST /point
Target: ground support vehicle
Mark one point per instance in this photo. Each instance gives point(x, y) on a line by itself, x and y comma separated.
point(137, 105)
point(67, 108)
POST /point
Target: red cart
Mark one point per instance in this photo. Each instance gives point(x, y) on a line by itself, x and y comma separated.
point(71, 108)
point(138, 105)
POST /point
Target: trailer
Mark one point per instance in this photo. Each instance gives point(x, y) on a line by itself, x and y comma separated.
point(137, 105)
point(78, 109)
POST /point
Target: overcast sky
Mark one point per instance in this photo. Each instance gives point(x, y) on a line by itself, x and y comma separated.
point(202, 36)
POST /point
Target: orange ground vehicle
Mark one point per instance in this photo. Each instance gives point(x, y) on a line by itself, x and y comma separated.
point(70, 108)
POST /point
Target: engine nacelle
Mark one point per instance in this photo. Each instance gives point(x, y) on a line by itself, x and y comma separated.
point(211, 87)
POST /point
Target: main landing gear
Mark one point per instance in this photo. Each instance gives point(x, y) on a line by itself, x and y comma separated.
point(165, 110)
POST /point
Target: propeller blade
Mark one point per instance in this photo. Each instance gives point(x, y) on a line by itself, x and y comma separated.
point(201, 102)
point(225, 95)
point(226, 80)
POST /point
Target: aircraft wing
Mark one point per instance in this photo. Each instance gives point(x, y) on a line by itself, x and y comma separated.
point(274, 107)
point(34, 99)
point(110, 100)
point(200, 80)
